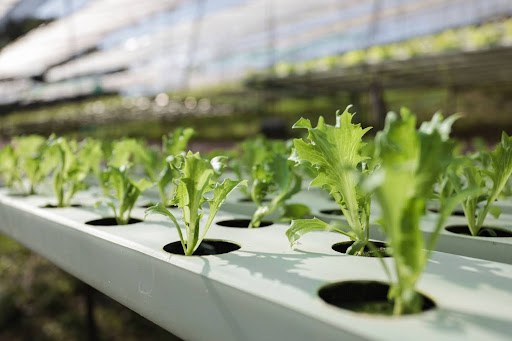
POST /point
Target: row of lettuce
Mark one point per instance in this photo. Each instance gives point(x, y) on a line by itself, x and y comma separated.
point(470, 38)
point(402, 169)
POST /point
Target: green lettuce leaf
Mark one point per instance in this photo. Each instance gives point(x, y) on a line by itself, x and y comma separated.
point(197, 178)
point(124, 191)
point(71, 164)
point(29, 150)
point(280, 178)
point(8, 166)
point(335, 153)
point(173, 144)
point(411, 161)
point(469, 173)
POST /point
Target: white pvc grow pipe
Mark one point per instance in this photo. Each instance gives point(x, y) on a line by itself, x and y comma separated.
point(265, 290)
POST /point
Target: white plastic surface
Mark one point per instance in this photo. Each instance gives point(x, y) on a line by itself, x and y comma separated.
point(265, 290)
point(497, 249)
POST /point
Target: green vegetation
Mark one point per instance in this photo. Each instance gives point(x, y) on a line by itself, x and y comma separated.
point(335, 153)
point(123, 191)
point(489, 171)
point(173, 144)
point(197, 178)
point(402, 168)
point(469, 38)
point(272, 178)
point(72, 163)
point(411, 161)
point(24, 163)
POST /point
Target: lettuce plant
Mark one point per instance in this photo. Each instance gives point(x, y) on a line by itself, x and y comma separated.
point(270, 175)
point(24, 160)
point(134, 151)
point(411, 161)
point(335, 153)
point(176, 142)
point(488, 171)
point(173, 144)
point(124, 191)
point(254, 153)
point(30, 159)
point(8, 166)
point(196, 180)
point(275, 175)
point(73, 163)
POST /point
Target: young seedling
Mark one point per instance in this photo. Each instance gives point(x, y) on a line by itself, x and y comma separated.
point(253, 152)
point(8, 167)
point(410, 163)
point(72, 165)
point(335, 153)
point(275, 175)
point(135, 152)
point(195, 181)
point(31, 163)
point(265, 164)
point(173, 144)
point(124, 191)
point(481, 171)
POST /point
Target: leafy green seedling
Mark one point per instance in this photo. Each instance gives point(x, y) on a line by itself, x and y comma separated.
point(8, 166)
point(173, 144)
point(254, 152)
point(484, 168)
point(265, 164)
point(196, 180)
point(124, 191)
point(176, 142)
point(276, 175)
point(135, 152)
point(30, 151)
point(335, 153)
point(72, 165)
point(411, 161)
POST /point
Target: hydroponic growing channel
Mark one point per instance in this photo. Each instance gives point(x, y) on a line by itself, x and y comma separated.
point(246, 254)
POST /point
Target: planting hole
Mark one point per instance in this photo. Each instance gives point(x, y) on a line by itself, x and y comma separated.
point(206, 248)
point(18, 195)
point(484, 231)
point(335, 211)
point(250, 200)
point(55, 206)
point(148, 205)
point(381, 247)
point(368, 297)
point(457, 212)
point(241, 223)
point(110, 221)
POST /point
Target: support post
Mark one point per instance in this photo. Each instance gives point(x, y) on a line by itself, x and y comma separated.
point(378, 105)
point(92, 334)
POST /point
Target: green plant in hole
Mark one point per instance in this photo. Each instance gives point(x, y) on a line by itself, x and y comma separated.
point(173, 144)
point(489, 171)
point(25, 159)
point(271, 175)
point(411, 161)
point(135, 152)
point(277, 176)
point(197, 178)
point(123, 191)
point(253, 152)
point(72, 164)
point(335, 153)
point(8, 166)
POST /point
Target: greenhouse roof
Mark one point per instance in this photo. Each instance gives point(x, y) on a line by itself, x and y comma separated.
point(147, 47)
